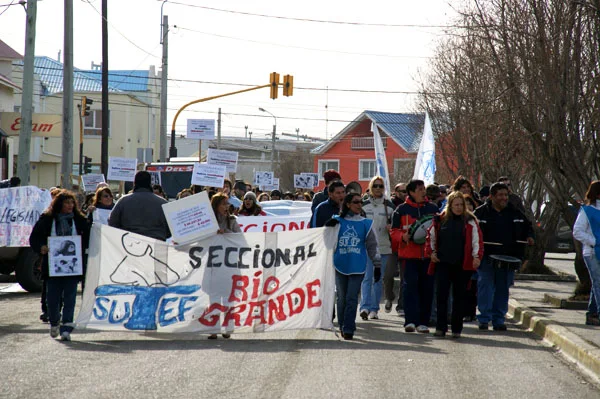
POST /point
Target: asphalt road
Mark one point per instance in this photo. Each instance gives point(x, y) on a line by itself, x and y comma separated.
point(383, 362)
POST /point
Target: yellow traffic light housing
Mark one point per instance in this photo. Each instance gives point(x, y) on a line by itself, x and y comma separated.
point(274, 80)
point(85, 106)
point(288, 85)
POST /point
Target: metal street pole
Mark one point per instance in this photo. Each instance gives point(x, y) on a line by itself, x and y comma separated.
point(163, 88)
point(23, 166)
point(67, 133)
point(105, 111)
point(272, 139)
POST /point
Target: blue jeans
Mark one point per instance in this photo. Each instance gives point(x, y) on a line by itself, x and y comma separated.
point(347, 287)
point(370, 291)
point(492, 292)
point(417, 288)
point(593, 266)
point(61, 292)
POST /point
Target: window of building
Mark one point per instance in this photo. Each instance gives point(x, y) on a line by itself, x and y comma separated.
point(326, 164)
point(92, 124)
point(367, 169)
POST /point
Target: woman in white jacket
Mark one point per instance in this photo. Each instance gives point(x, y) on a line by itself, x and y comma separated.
point(587, 231)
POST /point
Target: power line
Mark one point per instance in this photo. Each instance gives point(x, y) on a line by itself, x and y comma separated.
point(323, 21)
point(12, 3)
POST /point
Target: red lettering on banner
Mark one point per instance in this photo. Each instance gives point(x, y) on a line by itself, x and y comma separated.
point(278, 224)
point(312, 293)
point(234, 314)
point(299, 305)
point(276, 309)
point(260, 307)
point(239, 283)
point(255, 285)
point(213, 319)
point(271, 281)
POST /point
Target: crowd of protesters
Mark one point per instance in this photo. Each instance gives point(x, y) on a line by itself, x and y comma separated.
point(454, 248)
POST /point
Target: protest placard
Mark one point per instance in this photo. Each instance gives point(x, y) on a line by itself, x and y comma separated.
point(208, 175)
point(302, 181)
point(201, 129)
point(222, 157)
point(90, 181)
point(20, 209)
point(155, 178)
point(121, 169)
point(270, 187)
point(101, 215)
point(314, 178)
point(263, 177)
point(253, 282)
point(65, 256)
point(191, 218)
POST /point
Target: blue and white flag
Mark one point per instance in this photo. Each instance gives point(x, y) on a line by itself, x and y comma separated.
point(380, 159)
point(425, 165)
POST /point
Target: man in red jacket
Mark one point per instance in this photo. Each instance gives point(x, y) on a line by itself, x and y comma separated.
point(417, 285)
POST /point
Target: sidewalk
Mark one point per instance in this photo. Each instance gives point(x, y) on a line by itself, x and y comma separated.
point(563, 328)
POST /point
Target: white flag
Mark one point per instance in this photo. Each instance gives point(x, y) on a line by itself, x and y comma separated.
point(380, 159)
point(425, 166)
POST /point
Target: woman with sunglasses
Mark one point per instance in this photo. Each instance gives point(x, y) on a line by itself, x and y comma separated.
point(356, 244)
point(378, 209)
point(103, 199)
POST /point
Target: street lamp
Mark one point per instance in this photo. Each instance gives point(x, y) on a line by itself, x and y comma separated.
point(272, 139)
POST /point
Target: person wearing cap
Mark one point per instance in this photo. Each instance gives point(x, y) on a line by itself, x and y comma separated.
point(329, 177)
point(250, 206)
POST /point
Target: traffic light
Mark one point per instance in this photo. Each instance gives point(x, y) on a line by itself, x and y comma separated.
point(85, 106)
point(87, 165)
point(288, 85)
point(274, 79)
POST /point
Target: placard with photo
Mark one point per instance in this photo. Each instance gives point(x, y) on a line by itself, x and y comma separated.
point(65, 256)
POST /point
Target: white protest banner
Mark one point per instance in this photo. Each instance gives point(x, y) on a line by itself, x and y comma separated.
point(190, 218)
point(263, 178)
point(121, 169)
point(270, 224)
point(254, 282)
point(304, 181)
point(201, 129)
point(208, 175)
point(20, 209)
point(222, 157)
point(101, 215)
point(270, 187)
point(65, 256)
point(90, 181)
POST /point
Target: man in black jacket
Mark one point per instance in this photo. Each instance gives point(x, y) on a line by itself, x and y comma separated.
point(505, 230)
point(322, 196)
point(330, 207)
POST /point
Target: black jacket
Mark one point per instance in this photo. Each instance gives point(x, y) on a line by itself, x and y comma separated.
point(43, 229)
point(506, 227)
point(324, 212)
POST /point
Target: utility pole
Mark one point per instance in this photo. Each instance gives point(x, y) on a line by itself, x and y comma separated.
point(298, 134)
point(163, 88)
point(105, 111)
point(67, 120)
point(246, 134)
point(273, 148)
point(27, 97)
point(219, 131)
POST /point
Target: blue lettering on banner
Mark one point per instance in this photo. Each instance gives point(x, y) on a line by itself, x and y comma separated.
point(142, 314)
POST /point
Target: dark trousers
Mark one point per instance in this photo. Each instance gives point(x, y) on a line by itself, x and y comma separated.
point(43, 299)
point(348, 288)
point(60, 297)
point(470, 309)
point(392, 266)
point(447, 274)
point(417, 292)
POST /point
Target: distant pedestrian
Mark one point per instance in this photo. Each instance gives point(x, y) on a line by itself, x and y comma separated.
point(587, 231)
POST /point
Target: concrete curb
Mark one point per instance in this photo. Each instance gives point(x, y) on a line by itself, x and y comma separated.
point(584, 353)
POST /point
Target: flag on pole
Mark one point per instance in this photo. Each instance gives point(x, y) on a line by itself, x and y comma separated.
point(425, 165)
point(380, 159)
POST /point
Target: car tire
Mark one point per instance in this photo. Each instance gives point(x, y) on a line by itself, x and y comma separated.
point(28, 273)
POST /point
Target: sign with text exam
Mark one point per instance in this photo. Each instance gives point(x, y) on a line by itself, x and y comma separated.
point(208, 175)
point(90, 181)
point(191, 218)
point(122, 169)
point(224, 158)
point(201, 129)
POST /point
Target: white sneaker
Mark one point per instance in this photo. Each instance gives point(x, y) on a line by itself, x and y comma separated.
point(373, 315)
point(364, 314)
point(423, 329)
point(388, 306)
point(54, 331)
point(65, 336)
point(409, 327)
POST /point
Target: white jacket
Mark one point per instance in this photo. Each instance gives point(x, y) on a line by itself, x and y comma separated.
point(582, 231)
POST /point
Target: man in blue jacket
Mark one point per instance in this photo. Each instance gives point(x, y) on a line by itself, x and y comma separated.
point(325, 210)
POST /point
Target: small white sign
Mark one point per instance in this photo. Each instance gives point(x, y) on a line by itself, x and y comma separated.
point(122, 169)
point(208, 175)
point(314, 176)
point(270, 187)
point(201, 129)
point(101, 215)
point(222, 157)
point(301, 181)
point(155, 178)
point(191, 218)
point(263, 178)
point(65, 256)
point(91, 180)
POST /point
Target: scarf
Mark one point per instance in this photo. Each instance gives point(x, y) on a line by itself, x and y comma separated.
point(64, 221)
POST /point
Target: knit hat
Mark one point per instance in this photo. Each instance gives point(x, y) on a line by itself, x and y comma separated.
point(251, 195)
point(331, 175)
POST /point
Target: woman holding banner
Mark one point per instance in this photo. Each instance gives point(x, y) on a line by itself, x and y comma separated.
point(103, 199)
point(356, 244)
point(62, 218)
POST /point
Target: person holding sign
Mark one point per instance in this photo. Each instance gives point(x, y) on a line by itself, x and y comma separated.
point(61, 219)
point(227, 222)
point(103, 202)
point(356, 244)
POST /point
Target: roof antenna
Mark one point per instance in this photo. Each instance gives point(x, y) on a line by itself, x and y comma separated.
point(59, 54)
point(327, 113)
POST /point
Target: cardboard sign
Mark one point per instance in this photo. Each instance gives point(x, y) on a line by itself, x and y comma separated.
point(302, 181)
point(155, 178)
point(222, 157)
point(263, 178)
point(91, 180)
point(201, 129)
point(208, 175)
point(270, 187)
point(65, 256)
point(101, 215)
point(122, 169)
point(191, 218)
point(314, 177)
point(20, 209)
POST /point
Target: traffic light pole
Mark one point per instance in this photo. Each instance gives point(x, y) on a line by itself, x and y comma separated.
point(173, 149)
point(80, 141)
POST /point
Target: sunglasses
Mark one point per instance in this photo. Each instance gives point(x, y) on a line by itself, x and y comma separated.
point(377, 185)
point(357, 202)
